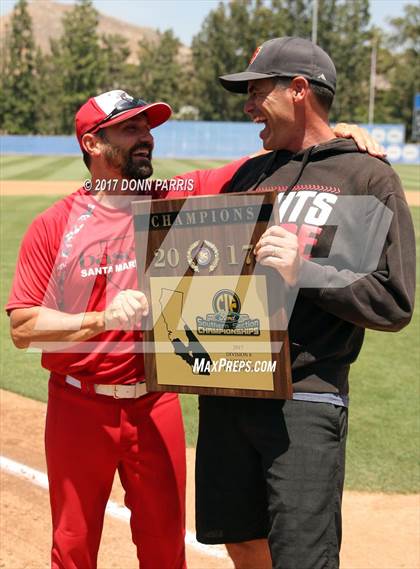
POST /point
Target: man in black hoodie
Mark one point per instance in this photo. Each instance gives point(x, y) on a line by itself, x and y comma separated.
point(275, 469)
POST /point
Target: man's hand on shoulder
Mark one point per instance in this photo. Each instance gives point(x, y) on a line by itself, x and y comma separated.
point(365, 142)
point(361, 137)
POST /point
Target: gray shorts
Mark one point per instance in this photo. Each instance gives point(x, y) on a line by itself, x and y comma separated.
point(272, 469)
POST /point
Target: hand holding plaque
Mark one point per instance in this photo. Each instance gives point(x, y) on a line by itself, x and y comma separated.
point(214, 327)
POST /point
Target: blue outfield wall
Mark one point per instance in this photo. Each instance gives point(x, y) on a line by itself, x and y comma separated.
point(175, 139)
point(214, 140)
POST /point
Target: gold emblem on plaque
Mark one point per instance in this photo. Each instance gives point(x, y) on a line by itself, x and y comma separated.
point(203, 253)
point(227, 318)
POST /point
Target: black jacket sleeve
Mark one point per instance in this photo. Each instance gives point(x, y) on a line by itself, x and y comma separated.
point(383, 299)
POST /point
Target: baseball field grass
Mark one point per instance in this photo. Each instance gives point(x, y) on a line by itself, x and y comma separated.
point(384, 411)
point(62, 168)
point(23, 167)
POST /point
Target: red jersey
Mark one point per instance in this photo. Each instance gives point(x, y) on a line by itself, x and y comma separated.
point(75, 257)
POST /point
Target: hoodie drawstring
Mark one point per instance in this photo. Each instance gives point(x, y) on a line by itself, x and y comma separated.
point(264, 174)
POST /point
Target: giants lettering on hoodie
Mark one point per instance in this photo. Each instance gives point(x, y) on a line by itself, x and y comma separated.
point(304, 213)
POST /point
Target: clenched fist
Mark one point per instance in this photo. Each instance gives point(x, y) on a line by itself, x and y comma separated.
point(126, 310)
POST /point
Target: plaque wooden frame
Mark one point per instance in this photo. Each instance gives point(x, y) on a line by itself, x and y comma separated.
point(174, 226)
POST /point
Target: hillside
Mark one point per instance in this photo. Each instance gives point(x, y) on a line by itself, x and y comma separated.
point(46, 20)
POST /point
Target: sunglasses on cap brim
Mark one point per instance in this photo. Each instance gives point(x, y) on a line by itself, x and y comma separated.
point(121, 107)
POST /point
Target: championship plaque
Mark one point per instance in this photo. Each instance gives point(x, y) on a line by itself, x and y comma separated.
point(217, 323)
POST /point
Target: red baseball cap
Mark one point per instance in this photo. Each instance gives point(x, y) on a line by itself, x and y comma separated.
point(114, 107)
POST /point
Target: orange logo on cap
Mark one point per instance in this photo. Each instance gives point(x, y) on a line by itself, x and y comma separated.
point(254, 55)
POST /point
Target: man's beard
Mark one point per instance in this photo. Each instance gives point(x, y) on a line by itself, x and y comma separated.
point(132, 168)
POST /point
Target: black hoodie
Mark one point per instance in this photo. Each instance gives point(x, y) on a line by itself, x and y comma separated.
point(367, 281)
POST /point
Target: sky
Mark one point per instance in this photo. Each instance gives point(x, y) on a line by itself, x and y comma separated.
point(186, 16)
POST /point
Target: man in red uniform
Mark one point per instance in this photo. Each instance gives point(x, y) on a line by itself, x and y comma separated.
point(75, 294)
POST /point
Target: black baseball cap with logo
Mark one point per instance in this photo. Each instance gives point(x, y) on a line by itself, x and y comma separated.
point(285, 57)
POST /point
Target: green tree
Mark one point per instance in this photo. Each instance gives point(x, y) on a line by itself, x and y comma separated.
point(231, 32)
point(77, 66)
point(228, 38)
point(403, 76)
point(385, 61)
point(50, 92)
point(115, 52)
point(18, 75)
point(160, 75)
point(298, 20)
point(348, 44)
point(213, 52)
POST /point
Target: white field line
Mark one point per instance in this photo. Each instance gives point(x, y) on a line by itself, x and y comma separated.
point(113, 509)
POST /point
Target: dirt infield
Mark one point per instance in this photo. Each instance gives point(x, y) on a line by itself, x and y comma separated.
point(380, 531)
point(50, 188)
point(36, 188)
